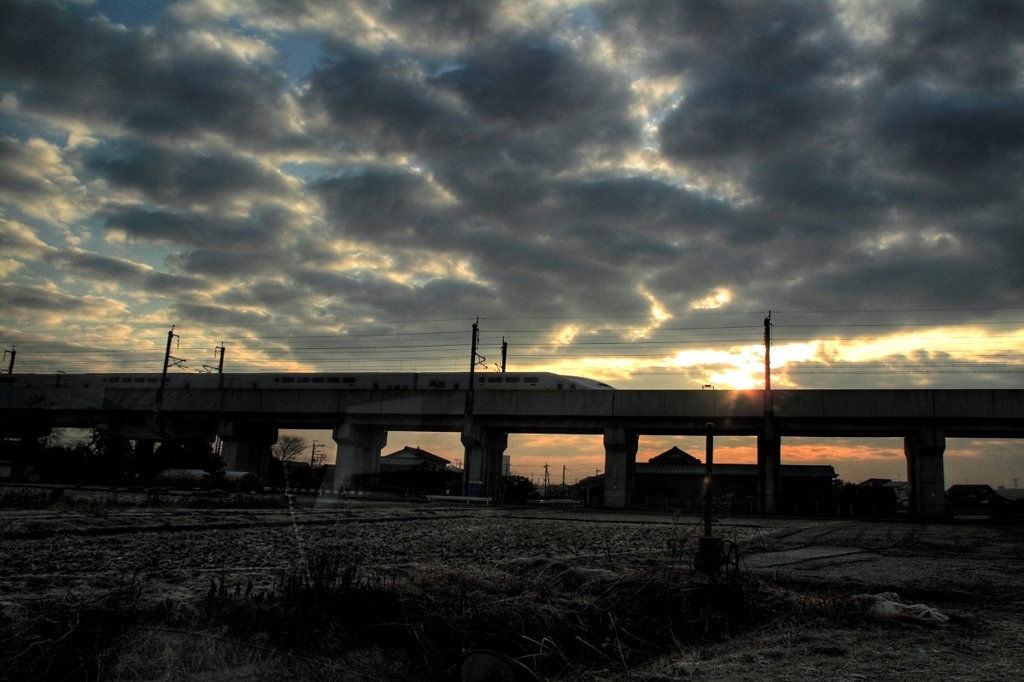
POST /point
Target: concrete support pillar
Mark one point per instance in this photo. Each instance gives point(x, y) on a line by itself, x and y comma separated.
point(620, 448)
point(769, 469)
point(926, 478)
point(483, 456)
point(246, 446)
point(358, 459)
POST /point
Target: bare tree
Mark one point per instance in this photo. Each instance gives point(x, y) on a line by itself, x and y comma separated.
point(289, 448)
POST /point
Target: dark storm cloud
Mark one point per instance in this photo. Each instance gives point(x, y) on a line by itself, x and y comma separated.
point(521, 101)
point(216, 263)
point(64, 59)
point(443, 18)
point(382, 204)
point(956, 133)
point(169, 176)
point(381, 98)
point(221, 316)
point(771, 84)
point(969, 44)
point(195, 229)
point(395, 301)
point(271, 295)
point(35, 298)
point(126, 273)
point(533, 81)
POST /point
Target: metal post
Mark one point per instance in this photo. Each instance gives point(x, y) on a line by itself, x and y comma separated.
point(472, 367)
point(12, 352)
point(709, 464)
point(167, 359)
point(504, 353)
point(768, 352)
point(220, 364)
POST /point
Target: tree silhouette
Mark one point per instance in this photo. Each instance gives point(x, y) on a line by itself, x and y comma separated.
point(289, 448)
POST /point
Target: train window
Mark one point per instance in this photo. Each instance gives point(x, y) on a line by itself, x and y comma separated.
point(456, 386)
point(287, 380)
point(151, 380)
point(436, 383)
point(333, 380)
point(348, 380)
point(512, 380)
point(482, 380)
point(559, 385)
point(277, 380)
point(531, 380)
point(375, 385)
point(493, 380)
point(140, 380)
point(318, 380)
point(303, 380)
point(114, 380)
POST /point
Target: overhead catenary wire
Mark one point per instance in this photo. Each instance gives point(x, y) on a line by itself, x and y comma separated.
point(994, 347)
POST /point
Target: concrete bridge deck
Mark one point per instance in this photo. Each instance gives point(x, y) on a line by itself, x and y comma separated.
point(248, 419)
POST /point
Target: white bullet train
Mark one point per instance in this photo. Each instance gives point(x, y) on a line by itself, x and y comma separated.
point(325, 380)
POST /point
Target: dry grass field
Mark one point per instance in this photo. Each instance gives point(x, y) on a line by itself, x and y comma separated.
point(114, 586)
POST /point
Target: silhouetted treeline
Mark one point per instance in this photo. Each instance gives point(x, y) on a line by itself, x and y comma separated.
point(102, 458)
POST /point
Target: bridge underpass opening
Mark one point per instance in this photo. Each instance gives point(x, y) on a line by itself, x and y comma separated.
point(576, 455)
point(976, 461)
point(854, 459)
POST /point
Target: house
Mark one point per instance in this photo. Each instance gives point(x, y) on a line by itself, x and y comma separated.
point(414, 471)
point(675, 480)
point(974, 500)
point(412, 459)
point(879, 497)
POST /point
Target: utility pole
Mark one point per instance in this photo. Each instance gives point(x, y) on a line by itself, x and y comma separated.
point(504, 353)
point(767, 352)
point(12, 353)
point(169, 361)
point(472, 366)
point(316, 459)
point(547, 480)
point(167, 358)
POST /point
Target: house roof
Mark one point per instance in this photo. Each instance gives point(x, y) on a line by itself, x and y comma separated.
point(874, 483)
point(420, 453)
point(674, 456)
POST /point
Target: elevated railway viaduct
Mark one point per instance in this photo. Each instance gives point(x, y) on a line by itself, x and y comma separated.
point(247, 421)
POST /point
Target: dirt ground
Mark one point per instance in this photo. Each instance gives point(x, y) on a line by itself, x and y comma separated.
point(803, 575)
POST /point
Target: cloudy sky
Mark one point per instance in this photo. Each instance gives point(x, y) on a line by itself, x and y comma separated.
point(619, 189)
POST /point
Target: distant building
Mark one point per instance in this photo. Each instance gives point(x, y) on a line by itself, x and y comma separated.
point(412, 459)
point(876, 497)
point(675, 480)
point(1010, 493)
point(974, 500)
point(414, 471)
